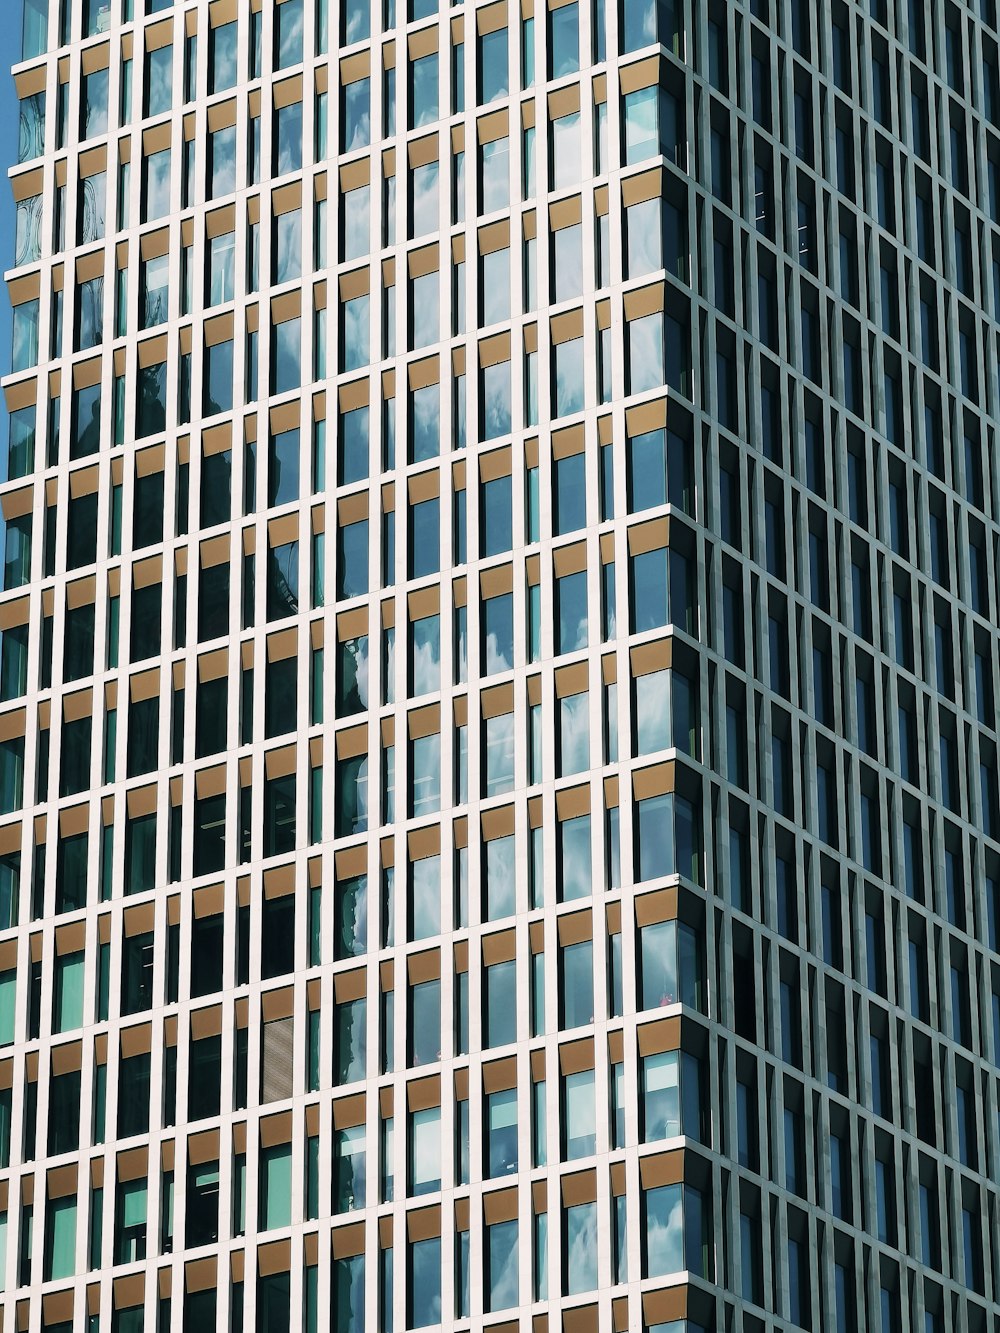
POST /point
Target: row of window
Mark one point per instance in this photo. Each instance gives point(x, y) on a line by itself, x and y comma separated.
point(354, 926)
point(676, 1221)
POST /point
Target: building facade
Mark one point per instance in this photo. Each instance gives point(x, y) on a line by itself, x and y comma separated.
point(499, 813)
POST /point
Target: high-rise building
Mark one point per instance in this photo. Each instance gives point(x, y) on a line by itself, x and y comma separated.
point(499, 817)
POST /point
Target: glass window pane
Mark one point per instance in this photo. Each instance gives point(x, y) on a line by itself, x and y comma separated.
point(579, 1115)
point(425, 423)
point(575, 875)
point(502, 1260)
point(658, 965)
point(499, 866)
point(652, 712)
point(498, 633)
point(571, 625)
point(288, 39)
point(423, 90)
point(660, 1096)
point(499, 754)
point(493, 66)
point(501, 1004)
point(565, 151)
point(564, 40)
point(501, 1129)
point(495, 170)
point(568, 378)
point(425, 1151)
point(424, 1285)
point(425, 655)
point(581, 1248)
point(425, 897)
point(496, 400)
point(664, 1230)
point(574, 734)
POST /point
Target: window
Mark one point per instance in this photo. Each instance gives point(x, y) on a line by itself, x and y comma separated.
point(424, 205)
point(352, 795)
point(93, 104)
point(574, 859)
point(425, 313)
point(496, 517)
point(493, 66)
point(424, 90)
point(159, 80)
point(356, 223)
point(222, 57)
point(649, 590)
point(564, 40)
point(576, 985)
point(497, 618)
point(660, 1096)
point(24, 338)
point(580, 1248)
point(574, 734)
point(352, 560)
point(565, 151)
point(499, 754)
point(349, 1169)
point(570, 498)
point(355, 124)
point(423, 1288)
point(664, 1236)
point(501, 1132)
point(349, 1044)
point(275, 1186)
point(355, 335)
point(567, 263)
point(494, 175)
point(350, 918)
point(639, 25)
point(156, 185)
point(288, 34)
point(154, 291)
point(502, 1257)
point(572, 632)
point(652, 714)
point(425, 775)
point(425, 655)
point(60, 1238)
point(287, 146)
point(500, 1025)
point(287, 249)
point(424, 901)
point(425, 1151)
point(424, 1034)
point(425, 423)
point(217, 385)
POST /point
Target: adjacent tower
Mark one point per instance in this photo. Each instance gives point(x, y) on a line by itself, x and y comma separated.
point(499, 814)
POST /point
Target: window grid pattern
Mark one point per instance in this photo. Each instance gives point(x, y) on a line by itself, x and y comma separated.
point(499, 540)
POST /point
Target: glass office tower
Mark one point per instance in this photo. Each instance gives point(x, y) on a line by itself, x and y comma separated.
point(499, 814)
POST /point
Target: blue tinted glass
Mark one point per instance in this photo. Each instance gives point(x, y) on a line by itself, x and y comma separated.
point(498, 634)
point(353, 446)
point(425, 538)
point(493, 75)
point(649, 590)
point(425, 423)
point(496, 517)
point(571, 625)
point(571, 493)
point(352, 560)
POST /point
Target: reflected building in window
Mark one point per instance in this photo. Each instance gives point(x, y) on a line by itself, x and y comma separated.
point(499, 807)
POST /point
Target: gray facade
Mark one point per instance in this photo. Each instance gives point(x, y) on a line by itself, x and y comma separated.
point(499, 819)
